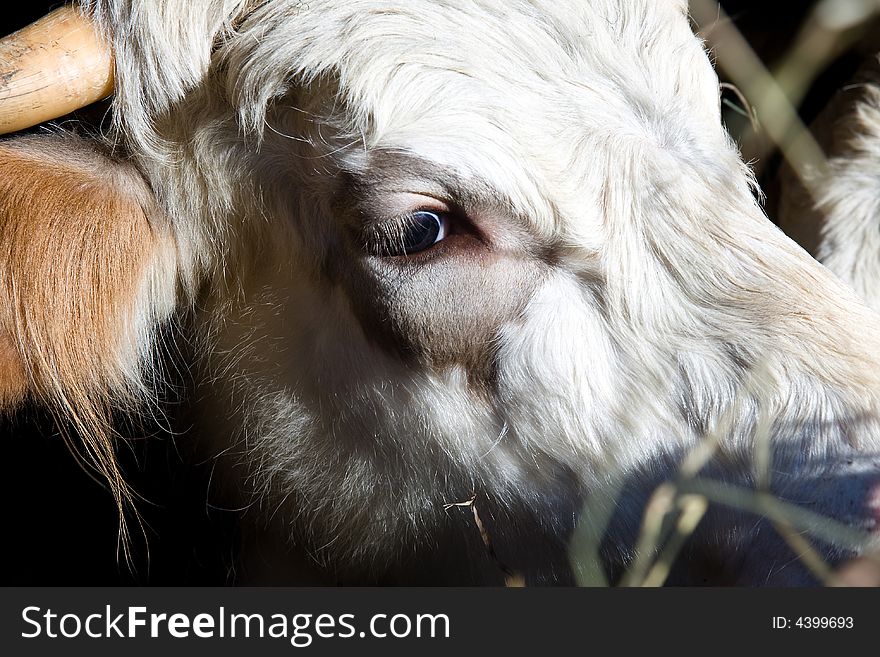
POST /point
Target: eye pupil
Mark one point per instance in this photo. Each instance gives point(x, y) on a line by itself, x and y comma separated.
point(423, 230)
point(409, 234)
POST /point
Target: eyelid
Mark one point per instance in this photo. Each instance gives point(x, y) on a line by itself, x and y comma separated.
point(396, 208)
point(387, 213)
point(395, 237)
point(423, 201)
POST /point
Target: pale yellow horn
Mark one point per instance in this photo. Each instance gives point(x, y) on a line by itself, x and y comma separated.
point(50, 68)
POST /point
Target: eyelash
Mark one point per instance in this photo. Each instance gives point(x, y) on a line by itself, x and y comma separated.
point(414, 233)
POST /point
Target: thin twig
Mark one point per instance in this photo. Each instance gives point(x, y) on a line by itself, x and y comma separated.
point(775, 110)
point(511, 578)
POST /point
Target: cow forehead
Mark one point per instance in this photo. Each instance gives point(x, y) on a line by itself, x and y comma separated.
point(514, 91)
point(396, 58)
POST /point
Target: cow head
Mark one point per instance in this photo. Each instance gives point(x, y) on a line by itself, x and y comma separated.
point(439, 250)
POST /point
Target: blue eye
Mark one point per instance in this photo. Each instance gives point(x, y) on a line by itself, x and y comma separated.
point(422, 230)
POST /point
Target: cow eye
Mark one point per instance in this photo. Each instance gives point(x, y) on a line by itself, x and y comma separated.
point(418, 232)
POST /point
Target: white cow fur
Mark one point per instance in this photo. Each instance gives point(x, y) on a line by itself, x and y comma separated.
point(596, 125)
point(848, 200)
